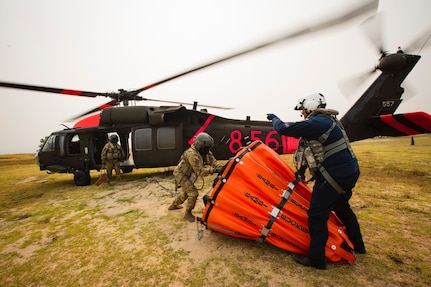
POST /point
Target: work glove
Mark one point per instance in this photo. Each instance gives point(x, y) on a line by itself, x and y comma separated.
point(270, 116)
point(218, 169)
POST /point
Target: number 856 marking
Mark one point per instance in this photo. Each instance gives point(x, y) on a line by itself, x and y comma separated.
point(236, 136)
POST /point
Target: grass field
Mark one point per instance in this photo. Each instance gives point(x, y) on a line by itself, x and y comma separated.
point(56, 234)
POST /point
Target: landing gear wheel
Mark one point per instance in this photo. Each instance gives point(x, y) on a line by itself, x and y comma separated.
point(127, 169)
point(82, 178)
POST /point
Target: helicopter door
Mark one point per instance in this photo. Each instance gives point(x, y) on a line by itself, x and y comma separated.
point(73, 152)
point(157, 146)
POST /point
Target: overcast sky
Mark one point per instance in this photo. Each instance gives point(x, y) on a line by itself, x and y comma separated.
point(104, 46)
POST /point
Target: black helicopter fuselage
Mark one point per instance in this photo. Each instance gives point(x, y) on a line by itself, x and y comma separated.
point(151, 137)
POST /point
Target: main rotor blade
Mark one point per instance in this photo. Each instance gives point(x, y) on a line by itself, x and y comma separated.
point(369, 6)
point(420, 42)
point(365, 8)
point(50, 90)
point(111, 104)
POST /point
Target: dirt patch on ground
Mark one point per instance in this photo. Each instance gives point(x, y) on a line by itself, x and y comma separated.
point(215, 254)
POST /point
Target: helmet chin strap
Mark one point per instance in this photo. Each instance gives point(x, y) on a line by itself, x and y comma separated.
point(204, 151)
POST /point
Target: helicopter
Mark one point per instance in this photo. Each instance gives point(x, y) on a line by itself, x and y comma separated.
point(156, 136)
point(159, 135)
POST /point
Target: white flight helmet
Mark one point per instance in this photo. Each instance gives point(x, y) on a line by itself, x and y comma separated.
point(311, 103)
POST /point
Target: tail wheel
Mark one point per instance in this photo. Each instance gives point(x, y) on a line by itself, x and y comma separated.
point(82, 178)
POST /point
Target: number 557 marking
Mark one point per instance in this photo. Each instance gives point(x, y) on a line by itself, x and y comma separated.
point(388, 104)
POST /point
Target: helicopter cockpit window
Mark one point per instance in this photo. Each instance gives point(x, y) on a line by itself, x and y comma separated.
point(166, 138)
point(49, 144)
point(143, 139)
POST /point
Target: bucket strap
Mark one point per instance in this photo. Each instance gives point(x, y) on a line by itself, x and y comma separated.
point(276, 209)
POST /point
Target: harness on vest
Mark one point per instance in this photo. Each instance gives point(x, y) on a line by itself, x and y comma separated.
point(114, 152)
point(312, 153)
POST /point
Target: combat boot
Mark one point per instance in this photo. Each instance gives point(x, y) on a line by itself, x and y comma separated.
point(189, 216)
point(174, 206)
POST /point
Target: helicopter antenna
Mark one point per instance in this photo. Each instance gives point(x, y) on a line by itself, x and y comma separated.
point(67, 128)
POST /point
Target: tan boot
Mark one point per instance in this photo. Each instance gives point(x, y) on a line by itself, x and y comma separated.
point(189, 216)
point(174, 206)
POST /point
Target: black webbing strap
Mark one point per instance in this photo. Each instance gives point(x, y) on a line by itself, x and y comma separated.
point(276, 210)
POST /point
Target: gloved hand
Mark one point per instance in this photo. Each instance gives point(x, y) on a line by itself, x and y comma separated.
point(218, 169)
point(270, 116)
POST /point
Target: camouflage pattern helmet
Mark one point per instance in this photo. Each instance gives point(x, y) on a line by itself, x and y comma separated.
point(203, 141)
point(113, 139)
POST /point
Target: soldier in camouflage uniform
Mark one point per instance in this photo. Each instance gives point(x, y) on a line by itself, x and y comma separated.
point(112, 154)
point(196, 161)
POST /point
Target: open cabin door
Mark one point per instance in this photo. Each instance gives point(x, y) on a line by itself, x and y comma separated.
point(157, 146)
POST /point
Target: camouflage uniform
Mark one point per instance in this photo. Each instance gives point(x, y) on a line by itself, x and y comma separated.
point(111, 156)
point(192, 165)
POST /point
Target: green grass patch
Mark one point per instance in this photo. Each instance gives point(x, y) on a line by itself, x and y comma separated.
point(53, 233)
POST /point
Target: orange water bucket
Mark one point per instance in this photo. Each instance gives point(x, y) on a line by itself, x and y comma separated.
point(258, 197)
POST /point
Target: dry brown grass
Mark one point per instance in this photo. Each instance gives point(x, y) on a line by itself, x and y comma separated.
point(56, 234)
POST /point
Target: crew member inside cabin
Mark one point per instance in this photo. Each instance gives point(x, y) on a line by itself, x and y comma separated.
point(112, 154)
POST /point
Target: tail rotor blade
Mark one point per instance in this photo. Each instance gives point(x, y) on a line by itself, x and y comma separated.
point(349, 86)
point(372, 28)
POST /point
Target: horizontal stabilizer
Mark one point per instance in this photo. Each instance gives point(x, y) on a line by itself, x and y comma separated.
point(402, 124)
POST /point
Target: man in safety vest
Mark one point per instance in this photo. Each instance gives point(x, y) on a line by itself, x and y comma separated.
point(112, 154)
point(196, 161)
point(335, 170)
